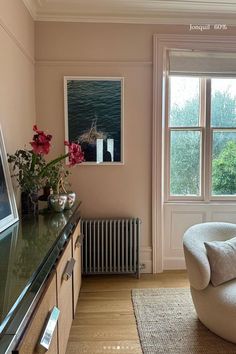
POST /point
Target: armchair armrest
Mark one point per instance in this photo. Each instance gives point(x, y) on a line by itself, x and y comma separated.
point(197, 263)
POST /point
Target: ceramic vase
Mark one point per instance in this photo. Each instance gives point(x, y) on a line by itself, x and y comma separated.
point(71, 196)
point(57, 202)
point(29, 203)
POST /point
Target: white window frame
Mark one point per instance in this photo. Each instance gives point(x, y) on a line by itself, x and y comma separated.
point(161, 45)
point(200, 128)
point(206, 133)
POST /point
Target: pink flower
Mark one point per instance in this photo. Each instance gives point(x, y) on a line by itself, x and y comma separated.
point(41, 142)
point(75, 153)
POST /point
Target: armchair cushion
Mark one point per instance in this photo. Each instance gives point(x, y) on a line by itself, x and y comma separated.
point(222, 259)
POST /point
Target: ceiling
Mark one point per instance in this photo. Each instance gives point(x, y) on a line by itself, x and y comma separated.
point(135, 11)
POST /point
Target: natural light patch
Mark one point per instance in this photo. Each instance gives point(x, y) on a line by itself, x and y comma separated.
point(185, 161)
point(223, 102)
point(184, 101)
point(224, 163)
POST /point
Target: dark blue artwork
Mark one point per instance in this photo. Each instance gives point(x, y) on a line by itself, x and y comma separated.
point(5, 208)
point(5, 247)
point(94, 118)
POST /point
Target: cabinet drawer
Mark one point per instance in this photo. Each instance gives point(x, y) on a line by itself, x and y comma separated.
point(64, 291)
point(76, 234)
point(29, 343)
point(76, 241)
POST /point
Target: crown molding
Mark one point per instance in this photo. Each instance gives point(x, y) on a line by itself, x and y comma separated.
point(170, 12)
point(31, 7)
point(164, 18)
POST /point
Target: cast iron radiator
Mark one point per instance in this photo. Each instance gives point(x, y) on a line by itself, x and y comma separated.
point(110, 246)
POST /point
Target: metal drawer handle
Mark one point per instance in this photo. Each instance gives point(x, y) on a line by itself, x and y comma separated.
point(47, 336)
point(69, 269)
point(79, 241)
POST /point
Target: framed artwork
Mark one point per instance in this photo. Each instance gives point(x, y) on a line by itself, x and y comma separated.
point(94, 117)
point(8, 209)
point(8, 248)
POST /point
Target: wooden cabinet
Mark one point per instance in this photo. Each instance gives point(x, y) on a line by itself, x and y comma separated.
point(30, 343)
point(65, 297)
point(61, 291)
point(76, 252)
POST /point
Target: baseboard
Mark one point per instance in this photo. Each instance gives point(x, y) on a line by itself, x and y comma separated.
point(146, 259)
point(172, 263)
point(169, 263)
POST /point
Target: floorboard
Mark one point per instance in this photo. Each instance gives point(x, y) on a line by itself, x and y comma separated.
point(104, 322)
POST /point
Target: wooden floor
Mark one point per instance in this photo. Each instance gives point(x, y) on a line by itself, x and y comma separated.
point(105, 321)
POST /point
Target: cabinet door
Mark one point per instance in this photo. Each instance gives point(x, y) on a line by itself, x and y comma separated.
point(30, 342)
point(64, 292)
point(77, 242)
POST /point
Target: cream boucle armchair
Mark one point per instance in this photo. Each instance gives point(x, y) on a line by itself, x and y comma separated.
point(215, 306)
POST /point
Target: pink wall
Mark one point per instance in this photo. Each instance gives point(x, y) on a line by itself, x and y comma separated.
point(17, 89)
point(104, 50)
point(64, 49)
point(17, 73)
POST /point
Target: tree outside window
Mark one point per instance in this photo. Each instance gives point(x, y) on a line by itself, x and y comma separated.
point(187, 128)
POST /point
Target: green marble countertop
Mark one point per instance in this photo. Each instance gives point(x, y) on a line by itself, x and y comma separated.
point(25, 248)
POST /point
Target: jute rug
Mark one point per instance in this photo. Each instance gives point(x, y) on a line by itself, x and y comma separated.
point(167, 324)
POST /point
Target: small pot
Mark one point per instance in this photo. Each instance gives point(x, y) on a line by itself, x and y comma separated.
point(71, 196)
point(57, 202)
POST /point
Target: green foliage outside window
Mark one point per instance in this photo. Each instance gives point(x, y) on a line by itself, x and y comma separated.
point(185, 152)
point(224, 171)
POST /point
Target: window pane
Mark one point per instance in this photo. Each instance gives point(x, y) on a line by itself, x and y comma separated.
point(223, 102)
point(224, 163)
point(184, 101)
point(185, 147)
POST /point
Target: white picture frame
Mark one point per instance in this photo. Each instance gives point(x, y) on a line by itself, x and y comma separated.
point(8, 208)
point(95, 104)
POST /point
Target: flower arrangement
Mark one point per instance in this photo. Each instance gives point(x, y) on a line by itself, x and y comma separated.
point(33, 172)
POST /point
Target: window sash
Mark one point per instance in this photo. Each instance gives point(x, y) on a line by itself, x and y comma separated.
point(222, 196)
point(206, 132)
point(172, 197)
point(169, 105)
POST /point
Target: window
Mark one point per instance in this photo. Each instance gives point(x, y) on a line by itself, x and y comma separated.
point(201, 138)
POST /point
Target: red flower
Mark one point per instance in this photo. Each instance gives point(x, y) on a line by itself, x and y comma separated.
point(75, 153)
point(41, 142)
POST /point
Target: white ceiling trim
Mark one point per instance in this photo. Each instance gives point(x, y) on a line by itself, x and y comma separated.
point(163, 19)
point(135, 12)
